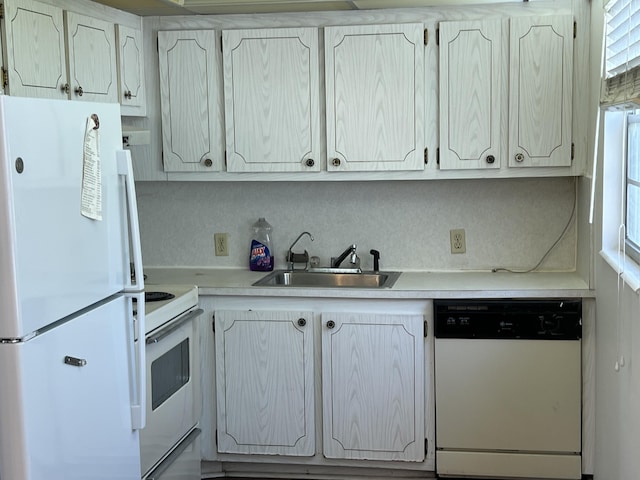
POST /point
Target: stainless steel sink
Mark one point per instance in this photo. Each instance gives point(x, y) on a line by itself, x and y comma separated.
point(328, 279)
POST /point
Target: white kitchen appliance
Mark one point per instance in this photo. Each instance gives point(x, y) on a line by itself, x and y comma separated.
point(71, 403)
point(508, 388)
point(170, 437)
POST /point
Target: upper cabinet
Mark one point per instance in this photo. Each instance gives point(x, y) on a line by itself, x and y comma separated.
point(537, 100)
point(130, 70)
point(91, 47)
point(271, 93)
point(540, 94)
point(375, 97)
point(470, 94)
point(49, 52)
point(190, 101)
point(35, 65)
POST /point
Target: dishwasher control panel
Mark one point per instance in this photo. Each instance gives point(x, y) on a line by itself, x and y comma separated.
point(550, 319)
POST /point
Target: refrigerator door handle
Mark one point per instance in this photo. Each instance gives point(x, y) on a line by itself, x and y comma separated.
point(125, 168)
point(138, 364)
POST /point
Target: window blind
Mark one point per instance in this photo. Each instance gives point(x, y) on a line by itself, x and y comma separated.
point(622, 54)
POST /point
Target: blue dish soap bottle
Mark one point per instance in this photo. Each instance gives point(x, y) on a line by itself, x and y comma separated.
point(260, 258)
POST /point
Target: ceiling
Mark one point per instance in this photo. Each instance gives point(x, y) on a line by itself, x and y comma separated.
point(213, 7)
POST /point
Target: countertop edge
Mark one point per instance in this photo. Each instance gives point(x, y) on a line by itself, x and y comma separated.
point(410, 285)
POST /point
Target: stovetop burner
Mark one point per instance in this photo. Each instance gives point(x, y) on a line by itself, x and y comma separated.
point(157, 296)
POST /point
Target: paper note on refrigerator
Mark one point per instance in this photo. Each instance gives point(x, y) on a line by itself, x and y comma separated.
point(91, 197)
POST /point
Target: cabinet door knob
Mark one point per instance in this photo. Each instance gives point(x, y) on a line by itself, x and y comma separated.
point(309, 162)
point(79, 91)
point(519, 157)
point(127, 94)
point(491, 159)
point(65, 88)
point(302, 322)
point(208, 162)
point(331, 324)
point(335, 162)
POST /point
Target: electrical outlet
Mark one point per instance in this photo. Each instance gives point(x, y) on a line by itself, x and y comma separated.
point(221, 242)
point(458, 242)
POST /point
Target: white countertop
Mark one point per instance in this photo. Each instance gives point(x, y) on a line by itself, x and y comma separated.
point(410, 285)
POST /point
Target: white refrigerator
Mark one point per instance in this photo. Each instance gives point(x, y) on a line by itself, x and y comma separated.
point(71, 402)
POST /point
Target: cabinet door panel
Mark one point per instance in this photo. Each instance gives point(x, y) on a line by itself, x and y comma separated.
point(470, 94)
point(375, 97)
point(190, 101)
point(130, 66)
point(36, 62)
point(541, 75)
point(271, 100)
point(373, 386)
point(91, 45)
point(264, 381)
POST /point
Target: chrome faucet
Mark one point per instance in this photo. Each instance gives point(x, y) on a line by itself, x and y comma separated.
point(350, 251)
point(298, 257)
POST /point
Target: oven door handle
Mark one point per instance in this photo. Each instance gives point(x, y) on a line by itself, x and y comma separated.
point(172, 327)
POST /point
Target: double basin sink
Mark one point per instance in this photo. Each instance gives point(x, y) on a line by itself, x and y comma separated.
point(328, 278)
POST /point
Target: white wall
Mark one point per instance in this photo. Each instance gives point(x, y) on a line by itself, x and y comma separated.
point(617, 334)
point(508, 222)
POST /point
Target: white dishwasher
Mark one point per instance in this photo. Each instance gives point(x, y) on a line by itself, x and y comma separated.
point(508, 388)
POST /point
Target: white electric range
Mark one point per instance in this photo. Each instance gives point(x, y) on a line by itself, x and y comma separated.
point(169, 443)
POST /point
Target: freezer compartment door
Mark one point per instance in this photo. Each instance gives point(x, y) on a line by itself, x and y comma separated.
point(56, 260)
point(66, 401)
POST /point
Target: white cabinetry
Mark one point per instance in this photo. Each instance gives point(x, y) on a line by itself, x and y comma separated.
point(537, 99)
point(271, 90)
point(190, 100)
point(131, 70)
point(265, 382)
point(540, 86)
point(54, 53)
point(373, 386)
point(35, 65)
point(375, 97)
point(470, 94)
point(91, 45)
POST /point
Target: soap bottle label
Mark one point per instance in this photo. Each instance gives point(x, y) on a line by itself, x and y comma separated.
point(260, 259)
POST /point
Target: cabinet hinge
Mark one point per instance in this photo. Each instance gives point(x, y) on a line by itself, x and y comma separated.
point(438, 155)
point(216, 439)
point(426, 36)
point(573, 150)
point(426, 446)
point(575, 29)
point(426, 156)
point(213, 323)
point(5, 78)
point(426, 328)
point(437, 36)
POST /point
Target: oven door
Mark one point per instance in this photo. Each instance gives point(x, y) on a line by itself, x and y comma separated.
point(173, 387)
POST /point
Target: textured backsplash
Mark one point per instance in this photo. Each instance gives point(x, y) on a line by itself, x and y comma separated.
point(508, 222)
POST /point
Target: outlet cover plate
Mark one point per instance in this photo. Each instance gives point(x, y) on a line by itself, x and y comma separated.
point(458, 240)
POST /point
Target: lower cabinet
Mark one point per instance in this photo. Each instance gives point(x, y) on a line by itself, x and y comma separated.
point(265, 382)
point(349, 388)
point(373, 386)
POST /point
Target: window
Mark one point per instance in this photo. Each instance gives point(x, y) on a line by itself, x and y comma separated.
point(632, 216)
point(621, 165)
